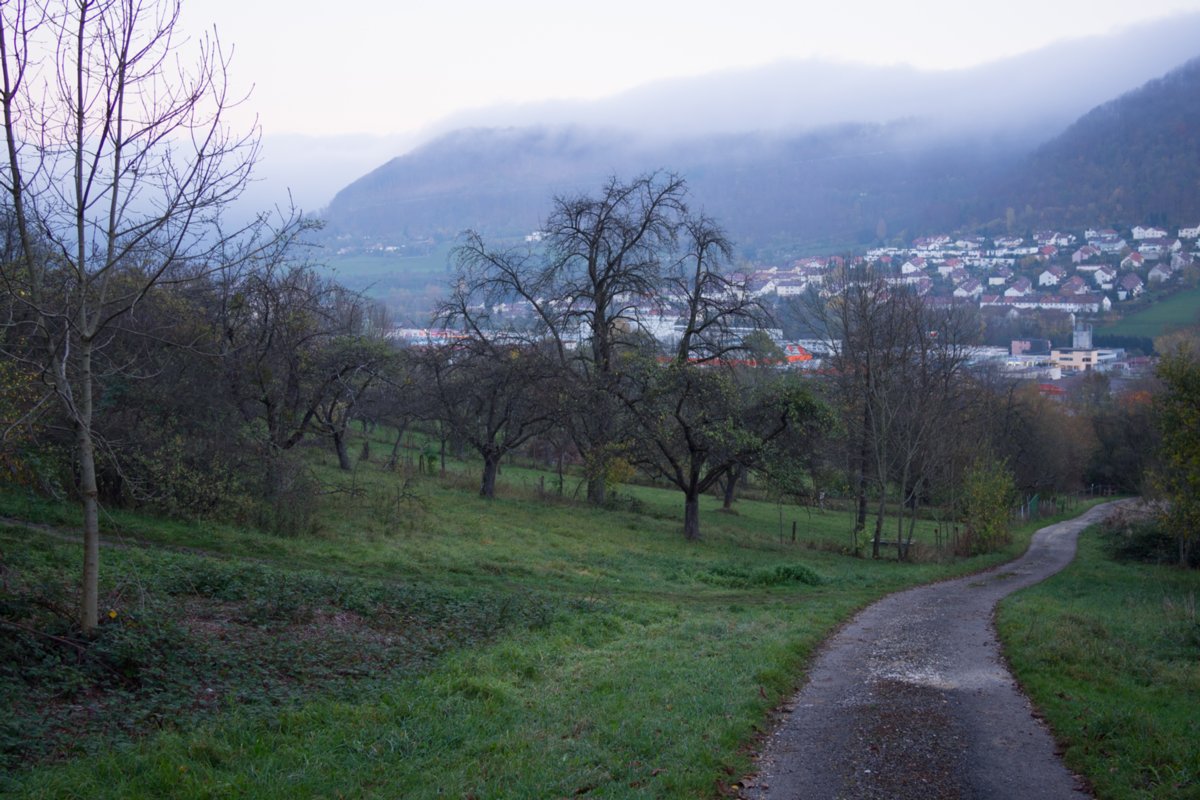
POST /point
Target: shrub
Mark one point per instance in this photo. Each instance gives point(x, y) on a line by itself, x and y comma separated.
point(1144, 540)
point(736, 577)
point(987, 497)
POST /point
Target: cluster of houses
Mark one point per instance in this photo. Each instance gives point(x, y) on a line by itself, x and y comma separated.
point(1051, 271)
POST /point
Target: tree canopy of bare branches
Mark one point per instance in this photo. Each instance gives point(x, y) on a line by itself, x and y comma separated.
point(117, 167)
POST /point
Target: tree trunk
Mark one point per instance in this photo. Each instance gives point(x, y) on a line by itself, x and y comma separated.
point(731, 480)
point(89, 611)
point(596, 490)
point(394, 460)
point(882, 511)
point(339, 444)
point(491, 466)
point(691, 516)
point(860, 521)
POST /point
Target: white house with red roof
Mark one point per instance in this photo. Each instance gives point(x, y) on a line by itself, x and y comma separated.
point(1073, 285)
point(970, 288)
point(1146, 232)
point(1104, 277)
point(949, 265)
point(1133, 261)
point(1159, 273)
point(1130, 285)
point(1021, 287)
point(1051, 276)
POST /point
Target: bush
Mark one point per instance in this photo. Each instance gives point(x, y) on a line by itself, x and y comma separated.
point(987, 497)
point(736, 577)
point(1143, 540)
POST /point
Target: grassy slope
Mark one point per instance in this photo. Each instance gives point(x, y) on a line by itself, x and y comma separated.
point(1180, 308)
point(649, 674)
point(1111, 654)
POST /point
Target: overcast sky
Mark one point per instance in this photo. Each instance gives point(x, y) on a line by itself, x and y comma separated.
point(398, 66)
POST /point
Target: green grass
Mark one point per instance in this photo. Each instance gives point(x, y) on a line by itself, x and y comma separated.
point(442, 646)
point(1110, 652)
point(411, 285)
point(1180, 308)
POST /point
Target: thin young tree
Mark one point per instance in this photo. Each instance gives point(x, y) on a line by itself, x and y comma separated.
point(117, 165)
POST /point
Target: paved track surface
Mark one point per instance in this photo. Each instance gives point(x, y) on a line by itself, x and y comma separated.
point(912, 699)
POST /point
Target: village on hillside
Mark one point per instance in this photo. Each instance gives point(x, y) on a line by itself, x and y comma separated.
point(1051, 272)
point(1075, 278)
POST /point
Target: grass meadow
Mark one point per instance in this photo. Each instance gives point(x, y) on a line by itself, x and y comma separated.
point(1109, 651)
point(1180, 309)
point(422, 642)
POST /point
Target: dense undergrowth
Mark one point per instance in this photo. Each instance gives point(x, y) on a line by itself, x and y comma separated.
point(422, 642)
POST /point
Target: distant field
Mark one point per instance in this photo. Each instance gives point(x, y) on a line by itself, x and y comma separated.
point(408, 285)
point(1155, 319)
point(391, 267)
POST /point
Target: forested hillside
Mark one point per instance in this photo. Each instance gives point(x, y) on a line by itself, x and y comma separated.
point(845, 185)
point(1133, 160)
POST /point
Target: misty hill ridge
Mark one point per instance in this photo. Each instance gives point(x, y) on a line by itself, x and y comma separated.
point(1133, 159)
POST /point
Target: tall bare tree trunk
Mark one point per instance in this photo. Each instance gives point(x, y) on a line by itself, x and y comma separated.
point(691, 516)
point(491, 466)
point(89, 611)
point(339, 446)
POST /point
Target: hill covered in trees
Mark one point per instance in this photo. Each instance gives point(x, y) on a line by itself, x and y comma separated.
point(1132, 160)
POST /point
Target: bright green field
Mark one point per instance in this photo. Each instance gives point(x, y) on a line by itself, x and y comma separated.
point(1110, 652)
point(427, 643)
point(1181, 308)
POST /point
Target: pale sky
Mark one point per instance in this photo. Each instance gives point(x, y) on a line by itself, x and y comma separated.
point(397, 66)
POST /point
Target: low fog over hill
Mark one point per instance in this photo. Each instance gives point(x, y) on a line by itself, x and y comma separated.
point(825, 154)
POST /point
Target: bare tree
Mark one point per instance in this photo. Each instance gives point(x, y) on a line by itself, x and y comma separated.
point(599, 258)
point(493, 397)
point(117, 166)
point(898, 365)
point(696, 419)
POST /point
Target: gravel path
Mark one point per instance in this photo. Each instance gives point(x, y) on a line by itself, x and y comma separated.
point(913, 700)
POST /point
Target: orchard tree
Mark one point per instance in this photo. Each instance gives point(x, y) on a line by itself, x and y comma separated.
point(492, 396)
point(117, 165)
point(698, 419)
point(600, 258)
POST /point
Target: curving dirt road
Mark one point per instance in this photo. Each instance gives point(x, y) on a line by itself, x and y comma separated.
point(913, 700)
